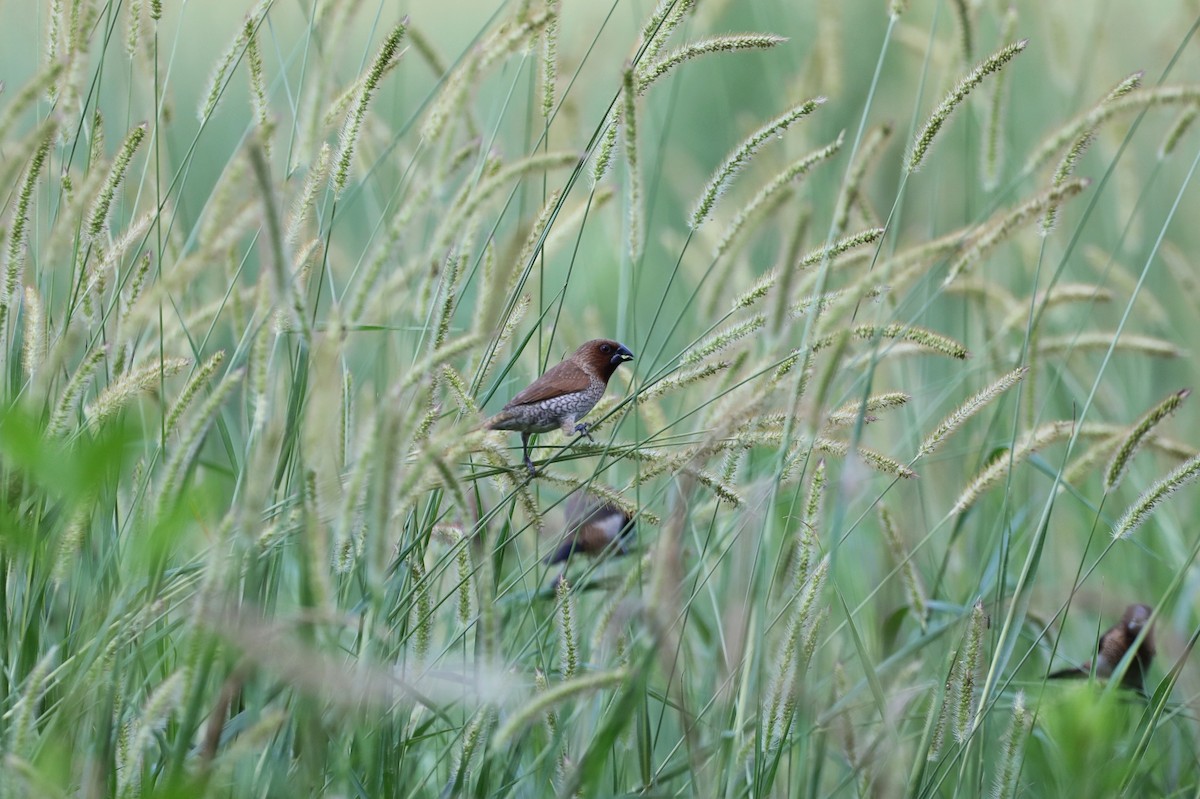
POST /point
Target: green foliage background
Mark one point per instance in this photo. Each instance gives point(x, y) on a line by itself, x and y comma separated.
point(253, 540)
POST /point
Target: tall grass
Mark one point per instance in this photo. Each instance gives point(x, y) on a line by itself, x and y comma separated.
point(255, 542)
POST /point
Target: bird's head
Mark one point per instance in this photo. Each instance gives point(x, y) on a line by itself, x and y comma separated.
point(602, 356)
point(1136, 617)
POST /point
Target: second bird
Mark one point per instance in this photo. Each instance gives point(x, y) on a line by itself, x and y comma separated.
point(593, 526)
point(564, 394)
point(1115, 642)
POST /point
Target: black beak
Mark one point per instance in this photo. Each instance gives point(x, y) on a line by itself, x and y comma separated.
point(621, 355)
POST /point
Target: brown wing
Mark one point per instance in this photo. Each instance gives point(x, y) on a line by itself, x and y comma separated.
point(562, 378)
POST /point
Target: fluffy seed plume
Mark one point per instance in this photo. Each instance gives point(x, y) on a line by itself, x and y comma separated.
point(742, 155)
point(1140, 511)
point(358, 114)
point(956, 97)
point(1137, 436)
point(968, 409)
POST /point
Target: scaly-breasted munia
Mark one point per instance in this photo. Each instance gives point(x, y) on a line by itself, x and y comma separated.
point(593, 525)
point(1115, 643)
point(566, 392)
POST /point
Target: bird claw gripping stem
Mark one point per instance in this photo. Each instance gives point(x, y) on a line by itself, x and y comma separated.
point(584, 429)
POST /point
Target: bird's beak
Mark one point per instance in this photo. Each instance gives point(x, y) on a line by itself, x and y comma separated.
point(621, 355)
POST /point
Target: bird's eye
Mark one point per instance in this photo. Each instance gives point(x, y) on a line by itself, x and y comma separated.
point(605, 348)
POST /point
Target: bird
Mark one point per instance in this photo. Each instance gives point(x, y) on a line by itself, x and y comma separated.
point(593, 525)
point(1115, 642)
point(566, 392)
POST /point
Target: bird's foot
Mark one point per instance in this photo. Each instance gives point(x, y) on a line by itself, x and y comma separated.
point(529, 466)
point(584, 430)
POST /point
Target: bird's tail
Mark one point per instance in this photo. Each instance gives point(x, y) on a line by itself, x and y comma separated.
point(498, 421)
point(1067, 674)
point(564, 551)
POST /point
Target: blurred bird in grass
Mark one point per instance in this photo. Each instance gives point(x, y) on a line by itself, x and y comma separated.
point(1115, 642)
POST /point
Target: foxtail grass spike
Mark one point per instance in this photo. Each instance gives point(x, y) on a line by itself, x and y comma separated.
point(718, 44)
point(795, 171)
point(556, 695)
point(992, 474)
point(1141, 510)
point(851, 192)
point(968, 409)
point(908, 572)
point(964, 686)
point(738, 159)
point(962, 15)
point(99, 214)
point(33, 349)
point(633, 177)
point(348, 139)
point(126, 387)
point(985, 242)
point(1126, 95)
point(567, 633)
point(1013, 745)
point(218, 79)
point(1145, 427)
point(957, 96)
point(1065, 170)
point(1179, 129)
point(549, 74)
point(18, 232)
point(992, 151)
